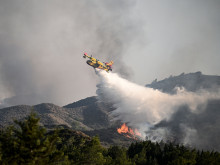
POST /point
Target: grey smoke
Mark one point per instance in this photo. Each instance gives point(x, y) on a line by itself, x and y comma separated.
point(190, 118)
point(197, 130)
point(42, 43)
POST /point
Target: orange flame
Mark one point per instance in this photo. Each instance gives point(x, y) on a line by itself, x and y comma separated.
point(128, 132)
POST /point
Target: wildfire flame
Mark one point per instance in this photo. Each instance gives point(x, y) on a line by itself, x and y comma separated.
point(128, 132)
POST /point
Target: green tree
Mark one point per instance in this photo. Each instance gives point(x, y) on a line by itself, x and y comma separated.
point(178, 155)
point(118, 156)
point(140, 158)
point(27, 143)
point(145, 153)
point(92, 153)
point(206, 157)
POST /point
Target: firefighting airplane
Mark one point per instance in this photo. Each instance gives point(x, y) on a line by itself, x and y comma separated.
point(97, 64)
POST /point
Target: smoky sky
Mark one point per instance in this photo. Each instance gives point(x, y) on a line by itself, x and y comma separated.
point(181, 36)
point(42, 42)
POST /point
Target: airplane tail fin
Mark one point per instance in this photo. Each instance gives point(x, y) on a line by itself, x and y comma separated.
point(85, 55)
point(111, 62)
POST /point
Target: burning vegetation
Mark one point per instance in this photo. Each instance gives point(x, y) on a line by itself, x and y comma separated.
point(129, 132)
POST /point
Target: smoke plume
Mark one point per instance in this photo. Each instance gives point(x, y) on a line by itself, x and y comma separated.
point(154, 112)
point(42, 44)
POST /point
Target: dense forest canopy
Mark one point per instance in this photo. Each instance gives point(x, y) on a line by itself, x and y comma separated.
point(29, 143)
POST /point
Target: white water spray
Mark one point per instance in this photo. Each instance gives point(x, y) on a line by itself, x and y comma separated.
point(142, 107)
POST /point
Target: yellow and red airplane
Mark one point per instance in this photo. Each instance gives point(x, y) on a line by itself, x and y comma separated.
point(97, 64)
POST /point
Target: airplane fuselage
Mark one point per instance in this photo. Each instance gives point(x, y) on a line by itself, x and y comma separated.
point(96, 63)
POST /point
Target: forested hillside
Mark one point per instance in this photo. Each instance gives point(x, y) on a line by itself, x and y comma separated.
point(29, 143)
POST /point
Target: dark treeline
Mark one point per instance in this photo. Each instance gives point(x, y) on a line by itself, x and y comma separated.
point(29, 143)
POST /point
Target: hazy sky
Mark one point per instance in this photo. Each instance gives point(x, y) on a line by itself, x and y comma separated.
point(42, 43)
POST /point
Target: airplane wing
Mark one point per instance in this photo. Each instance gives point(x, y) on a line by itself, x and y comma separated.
point(97, 64)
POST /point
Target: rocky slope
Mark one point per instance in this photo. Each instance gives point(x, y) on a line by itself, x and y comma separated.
point(87, 114)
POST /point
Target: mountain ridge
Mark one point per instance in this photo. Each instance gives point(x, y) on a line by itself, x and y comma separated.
point(191, 82)
point(92, 116)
